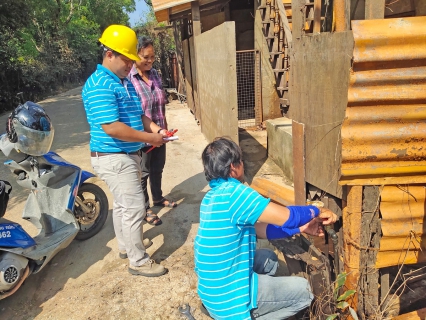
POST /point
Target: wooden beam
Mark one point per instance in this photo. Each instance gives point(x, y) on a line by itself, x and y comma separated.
point(276, 192)
point(195, 17)
point(299, 173)
point(352, 238)
point(374, 9)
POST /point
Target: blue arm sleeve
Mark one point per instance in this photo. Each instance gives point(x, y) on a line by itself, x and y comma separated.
point(300, 215)
point(276, 232)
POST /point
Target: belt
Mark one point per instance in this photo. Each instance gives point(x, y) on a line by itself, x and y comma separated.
point(101, 154)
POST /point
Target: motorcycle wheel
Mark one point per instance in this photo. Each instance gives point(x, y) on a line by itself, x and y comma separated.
point(94, 198)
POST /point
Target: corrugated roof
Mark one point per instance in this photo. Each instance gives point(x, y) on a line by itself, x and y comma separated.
point(384, 131)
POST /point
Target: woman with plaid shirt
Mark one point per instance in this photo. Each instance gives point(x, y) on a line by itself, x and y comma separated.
point(148, 85)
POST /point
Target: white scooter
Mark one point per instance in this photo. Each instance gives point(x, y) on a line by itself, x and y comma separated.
point(62, 205)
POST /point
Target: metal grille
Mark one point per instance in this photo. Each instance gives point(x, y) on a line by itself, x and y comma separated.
point(248, 88)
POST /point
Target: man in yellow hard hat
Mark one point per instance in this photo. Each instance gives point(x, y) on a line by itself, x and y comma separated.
point(118, 130)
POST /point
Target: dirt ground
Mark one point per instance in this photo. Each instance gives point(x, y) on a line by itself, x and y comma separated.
point(87, 280)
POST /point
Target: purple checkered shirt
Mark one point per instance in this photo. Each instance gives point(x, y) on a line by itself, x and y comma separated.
point(151, 94)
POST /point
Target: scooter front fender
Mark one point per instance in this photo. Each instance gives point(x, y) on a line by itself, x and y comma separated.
point(85, 175)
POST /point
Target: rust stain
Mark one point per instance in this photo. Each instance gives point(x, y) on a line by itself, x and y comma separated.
point(403, 210)
point(384, 131)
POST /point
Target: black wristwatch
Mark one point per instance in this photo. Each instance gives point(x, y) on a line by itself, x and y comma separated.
point(159, 130)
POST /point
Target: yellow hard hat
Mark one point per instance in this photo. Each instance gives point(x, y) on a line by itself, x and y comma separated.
point(121, 39)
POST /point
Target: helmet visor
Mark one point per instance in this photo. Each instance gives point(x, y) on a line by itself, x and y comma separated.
point(33, 142)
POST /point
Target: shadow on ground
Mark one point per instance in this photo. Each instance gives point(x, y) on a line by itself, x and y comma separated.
point(179, 221)
point(28, 301)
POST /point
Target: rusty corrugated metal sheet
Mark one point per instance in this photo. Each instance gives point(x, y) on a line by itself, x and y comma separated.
point(384, 131)
point(403, 225)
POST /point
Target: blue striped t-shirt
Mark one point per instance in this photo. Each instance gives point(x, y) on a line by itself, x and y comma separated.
point(107, 99)
point(224, 249)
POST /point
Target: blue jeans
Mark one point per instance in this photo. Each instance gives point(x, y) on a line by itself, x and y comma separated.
point(278, 297)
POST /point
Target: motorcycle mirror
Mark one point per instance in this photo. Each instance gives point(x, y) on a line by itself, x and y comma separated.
point(20, 97)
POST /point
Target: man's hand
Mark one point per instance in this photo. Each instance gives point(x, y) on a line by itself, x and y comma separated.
point(327, 216)
point(156, 139)
point(313, 227)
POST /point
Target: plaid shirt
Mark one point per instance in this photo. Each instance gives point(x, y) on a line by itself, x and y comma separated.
point(151, 94)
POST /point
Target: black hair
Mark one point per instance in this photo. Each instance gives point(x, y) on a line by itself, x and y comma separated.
point(144, 42)
point(218, 156)
point(105, 49)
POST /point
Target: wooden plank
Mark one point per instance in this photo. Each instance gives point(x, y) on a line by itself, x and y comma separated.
point(217, 81)
point(374, 9)
point(352, 218)
point(283, 195)
point(159, 5)
point(319, 96)
point(298, 134)
point(415, 315)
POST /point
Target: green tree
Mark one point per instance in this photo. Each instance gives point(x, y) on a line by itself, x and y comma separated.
point(49, 44)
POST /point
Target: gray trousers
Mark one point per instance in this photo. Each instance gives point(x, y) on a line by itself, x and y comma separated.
point(152, 164)
point(122, 174)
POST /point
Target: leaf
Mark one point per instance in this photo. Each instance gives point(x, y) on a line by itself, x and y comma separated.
point(342, 305)
point(332, 316)
point(341, 279)
point(353, 313)
point(346, 295)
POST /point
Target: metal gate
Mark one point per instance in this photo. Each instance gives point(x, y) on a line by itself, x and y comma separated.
point(249, 89)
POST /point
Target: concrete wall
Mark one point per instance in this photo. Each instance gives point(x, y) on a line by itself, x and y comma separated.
point(270, 100)
point(217, 81)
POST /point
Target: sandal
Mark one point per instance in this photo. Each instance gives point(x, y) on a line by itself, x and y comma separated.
point(165, 203)
point(154, 219)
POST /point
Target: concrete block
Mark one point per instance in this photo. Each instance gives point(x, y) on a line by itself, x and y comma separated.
point(280, 144)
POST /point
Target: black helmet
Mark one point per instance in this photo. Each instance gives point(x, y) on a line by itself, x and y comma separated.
point(31, 129)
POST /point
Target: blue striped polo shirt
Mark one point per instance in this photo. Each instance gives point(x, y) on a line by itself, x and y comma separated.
point(107, 99)
point(225, 246)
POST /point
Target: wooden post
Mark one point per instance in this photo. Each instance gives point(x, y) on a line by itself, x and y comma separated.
point(298, 134)
point(195, 16)
point(374, 9)
point(342, 15)
point(352, 238)
point(298, 9)
point(196, 31)
point(317, 16)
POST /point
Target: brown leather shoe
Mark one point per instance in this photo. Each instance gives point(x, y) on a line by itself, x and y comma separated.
point(148, 269)
point(146, 243)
